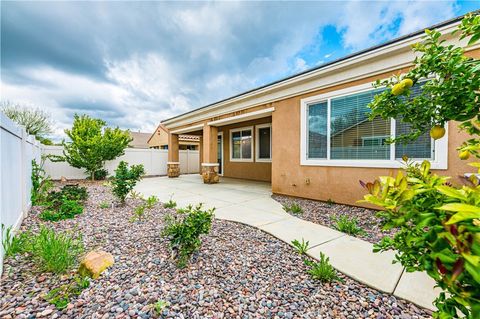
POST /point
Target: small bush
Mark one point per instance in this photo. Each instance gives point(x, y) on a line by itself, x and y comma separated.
point(41, 183)
point(184, 230)
point(347, 225)
point(138, 213)
point(56, 252)
point(61, 296)
point(301, 247)
point(53, 252)
point(126, 179)
point(293, 208)
point(14, 244)
point(61, 209)
point(330, 202)
point(100, 174)
point(70, 192)
point(159, 307)
point(170, 204)
point(151, 201)
point(104, 205)
point(322, 270)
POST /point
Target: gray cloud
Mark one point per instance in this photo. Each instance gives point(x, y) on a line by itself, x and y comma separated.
point(135, 63)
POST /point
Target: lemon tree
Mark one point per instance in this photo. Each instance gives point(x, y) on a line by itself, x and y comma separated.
point(438, 223)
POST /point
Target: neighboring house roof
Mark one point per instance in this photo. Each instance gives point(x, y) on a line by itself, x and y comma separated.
point(185, 138)
point(140, 140)
point(299, 76)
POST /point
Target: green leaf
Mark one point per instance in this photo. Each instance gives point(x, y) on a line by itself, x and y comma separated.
point(458, 207)
point(458, 217)
point(451, 192)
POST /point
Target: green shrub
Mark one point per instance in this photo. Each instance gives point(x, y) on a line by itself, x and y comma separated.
point(138, 213)
point(184, 230)
point(69, 192)
point(126, 179)
point(61, 296)
point(61, 209)
point(100, 174)
point(170, 204)
point(347, 225)
point(330, 202)
point(322, 270)
point(159, 307)
point(301, 247)
point(104, 205)
point(51, 251)
point(151, 201)
point(56, 252)
point(293, 208)
point(15, 244)
point(41, 183)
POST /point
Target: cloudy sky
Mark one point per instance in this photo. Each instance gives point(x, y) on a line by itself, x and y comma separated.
point(134, 64)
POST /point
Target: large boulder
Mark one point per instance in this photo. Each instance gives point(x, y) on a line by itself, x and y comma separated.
point(94, 263)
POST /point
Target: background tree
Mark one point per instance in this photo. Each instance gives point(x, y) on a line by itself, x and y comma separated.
point(92, 143)
point(35, 121)
point(438, 223)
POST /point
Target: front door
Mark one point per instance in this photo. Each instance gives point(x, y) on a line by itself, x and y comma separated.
point(220, 153)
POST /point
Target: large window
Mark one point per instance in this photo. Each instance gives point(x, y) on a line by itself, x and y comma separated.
point(241, 146)
point(263, 141)
point(336, 131)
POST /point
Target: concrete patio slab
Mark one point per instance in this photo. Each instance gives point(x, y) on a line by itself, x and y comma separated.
point(232, 196)
point(417, 286)
point(355, 258)
point(294, 228)
point(247, 215)
point(265, 204)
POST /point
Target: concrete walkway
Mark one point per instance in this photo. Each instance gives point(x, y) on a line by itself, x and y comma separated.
point(250, 203)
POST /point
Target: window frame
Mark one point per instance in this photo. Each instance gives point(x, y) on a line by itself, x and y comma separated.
point(440, 160)
point(257, 143)
point(251, 144)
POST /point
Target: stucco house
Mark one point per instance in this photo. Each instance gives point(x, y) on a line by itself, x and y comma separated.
point(159, 140)
point(308, 134)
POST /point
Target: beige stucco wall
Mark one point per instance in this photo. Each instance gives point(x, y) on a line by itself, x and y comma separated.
point(340, 184)
point(158, 139)
point(259, 171)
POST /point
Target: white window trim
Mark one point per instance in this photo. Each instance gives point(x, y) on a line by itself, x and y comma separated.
point(257, 143)
point(440, 160)
point(251, 145)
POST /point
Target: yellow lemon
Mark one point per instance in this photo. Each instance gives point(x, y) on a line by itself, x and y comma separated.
point(407, 83)
point(398, 89)
point(437, 132)
point(464, 155)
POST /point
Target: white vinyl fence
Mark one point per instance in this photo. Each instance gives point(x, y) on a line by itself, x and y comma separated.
point(154, 161)
point(17, 150)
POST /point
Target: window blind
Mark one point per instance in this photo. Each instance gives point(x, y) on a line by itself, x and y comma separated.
point(352, 135)
point(422, 148)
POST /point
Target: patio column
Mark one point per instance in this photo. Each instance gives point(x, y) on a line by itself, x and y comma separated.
point(210, 160)
point(173, 164)
point(200, 154)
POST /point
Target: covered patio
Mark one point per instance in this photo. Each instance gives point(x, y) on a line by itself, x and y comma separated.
point(237, 145)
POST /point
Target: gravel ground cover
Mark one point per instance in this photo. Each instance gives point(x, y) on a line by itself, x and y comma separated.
point(322, 213)
point(240, 272)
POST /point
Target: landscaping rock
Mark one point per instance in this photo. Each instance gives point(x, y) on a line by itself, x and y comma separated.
point(239, 272)
point(323, 213)
point(94, 263)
